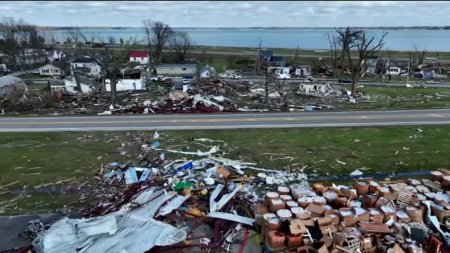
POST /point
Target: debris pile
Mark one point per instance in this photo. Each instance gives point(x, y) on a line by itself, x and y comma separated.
point(166, 203)
point(215, 204)
point(402, 216)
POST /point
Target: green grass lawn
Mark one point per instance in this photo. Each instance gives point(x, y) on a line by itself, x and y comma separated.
point(35, 159)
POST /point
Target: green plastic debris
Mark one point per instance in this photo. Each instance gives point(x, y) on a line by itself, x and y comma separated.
point(183, 185)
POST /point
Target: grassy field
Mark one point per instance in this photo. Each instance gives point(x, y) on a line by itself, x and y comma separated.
point(33, 160)
point(402, 98)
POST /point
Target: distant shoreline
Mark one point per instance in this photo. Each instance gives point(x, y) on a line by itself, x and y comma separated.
point(227, 28)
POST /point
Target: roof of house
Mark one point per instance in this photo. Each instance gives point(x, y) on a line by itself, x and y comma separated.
point(206, 67)
point(138, 54)
point(49, 66)
point(176, 65)
point(8, 80)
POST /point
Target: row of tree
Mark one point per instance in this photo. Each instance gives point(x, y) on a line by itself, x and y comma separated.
point(17, 38)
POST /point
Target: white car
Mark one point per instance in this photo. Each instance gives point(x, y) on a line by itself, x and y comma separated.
point(235, 76)
point(283, 76)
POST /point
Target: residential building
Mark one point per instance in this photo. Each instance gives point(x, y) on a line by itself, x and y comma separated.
point(318, 89)
point(303, 71)
point(50, 70)
point(176, 69)
point(207, 72)
point(86, 84)
point(86, 66)
point(372, 66)
point(265, 55)
point(12, 86)
point(127, 84)
point(139, 56)
point(277, 61)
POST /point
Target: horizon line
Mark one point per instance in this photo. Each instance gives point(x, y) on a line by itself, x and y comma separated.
point(253, 27)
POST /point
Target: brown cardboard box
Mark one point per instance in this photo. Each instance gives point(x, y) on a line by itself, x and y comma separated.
point(315, 209)
point(325, 221)
point(362, 216)
point(277, 204)
point(376, 216)
point(335, 219)
point(308, 222)
point(297, 227)
point(369, 201)
point(362, 188)
point(375, 228)
point(276, 239)
point(415, 213)
point(440, 213)
point(294, 241)
point(349, 193)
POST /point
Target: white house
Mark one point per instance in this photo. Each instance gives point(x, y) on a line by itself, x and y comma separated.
point(176, 69)
point(304, 70)
point(127, 84)
point(70, 85)
point(207, 72)
point(139, 56)
point(87, 66)
point(315, 88)
point(50, 70)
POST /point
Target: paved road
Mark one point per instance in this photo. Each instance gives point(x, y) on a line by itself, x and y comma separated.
point(227, 121)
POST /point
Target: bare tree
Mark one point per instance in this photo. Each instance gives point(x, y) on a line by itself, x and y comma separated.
point(16, 36)
point(109, 60)
point(365, 49)
point(296, 55)
point(334, 52)
point(346, 39)
point(420, 55)
point(180, 42)
point(158, 35)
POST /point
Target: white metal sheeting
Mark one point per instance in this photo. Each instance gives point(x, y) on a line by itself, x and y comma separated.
point(124, 232)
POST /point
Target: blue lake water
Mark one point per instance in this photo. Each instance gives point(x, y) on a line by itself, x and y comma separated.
point(307, 38)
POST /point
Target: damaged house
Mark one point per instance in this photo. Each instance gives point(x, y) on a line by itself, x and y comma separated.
point(277, 61)
point(87, 66)
point(127, 84)
point(207, 72)
point(316, 89)
point(303, 71)
point(70, 85)
point(176, 69)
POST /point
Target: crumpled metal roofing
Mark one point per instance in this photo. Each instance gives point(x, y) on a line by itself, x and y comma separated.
point(122, 231)
point(8, 80)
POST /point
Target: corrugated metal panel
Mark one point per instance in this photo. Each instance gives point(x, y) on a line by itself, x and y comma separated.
point(8, 80)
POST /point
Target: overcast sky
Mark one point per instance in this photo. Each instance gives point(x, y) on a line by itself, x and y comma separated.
point(230, 14)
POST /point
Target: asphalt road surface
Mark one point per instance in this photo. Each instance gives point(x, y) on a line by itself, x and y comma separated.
point(227, 121)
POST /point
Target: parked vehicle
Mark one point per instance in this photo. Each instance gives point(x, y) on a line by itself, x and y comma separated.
point(187, 79)
point(283, 76)
point(158, 78)
point(235, 76)
point(344, 80)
